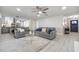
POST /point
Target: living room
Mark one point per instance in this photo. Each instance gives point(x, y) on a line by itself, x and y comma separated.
point(39, 28)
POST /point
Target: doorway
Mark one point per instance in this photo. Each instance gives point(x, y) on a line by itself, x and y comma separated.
point(74, 25)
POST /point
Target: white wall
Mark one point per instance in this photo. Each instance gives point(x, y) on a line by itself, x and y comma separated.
point(56, 22)
point(0, 20)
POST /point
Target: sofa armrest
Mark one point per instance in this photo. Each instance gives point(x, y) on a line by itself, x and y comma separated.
point(52, 34)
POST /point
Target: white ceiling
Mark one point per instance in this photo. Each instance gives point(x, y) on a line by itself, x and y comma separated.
point(26, 11)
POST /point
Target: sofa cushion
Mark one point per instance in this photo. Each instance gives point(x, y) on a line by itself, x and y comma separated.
point(43, 34)
point(20, 30)
point(39, 29)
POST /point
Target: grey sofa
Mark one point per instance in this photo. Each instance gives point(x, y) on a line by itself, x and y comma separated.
point(15, 32)
point(49, 34)
point(19, 34)
point(5, 29)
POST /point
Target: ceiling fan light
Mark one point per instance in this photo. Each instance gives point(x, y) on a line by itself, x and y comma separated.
point(40, 12)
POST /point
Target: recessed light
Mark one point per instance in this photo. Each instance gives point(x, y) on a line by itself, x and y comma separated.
point(64, 8)
point(18, 9)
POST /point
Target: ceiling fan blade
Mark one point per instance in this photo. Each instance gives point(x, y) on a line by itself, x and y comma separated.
point(38, 8)
point(45, 9)
point(45, 13)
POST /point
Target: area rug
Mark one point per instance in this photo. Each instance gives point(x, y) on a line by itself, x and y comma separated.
point(25, 44)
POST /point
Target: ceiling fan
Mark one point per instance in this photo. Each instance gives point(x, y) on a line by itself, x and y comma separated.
point(41, 10)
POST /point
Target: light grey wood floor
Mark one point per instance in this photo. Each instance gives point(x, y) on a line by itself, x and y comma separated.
point(26, 44)
point(62, 43)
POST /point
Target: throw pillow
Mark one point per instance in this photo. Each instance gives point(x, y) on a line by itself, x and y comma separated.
point(43, 29)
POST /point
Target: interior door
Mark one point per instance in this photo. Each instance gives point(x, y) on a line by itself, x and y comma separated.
point(74, 25)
